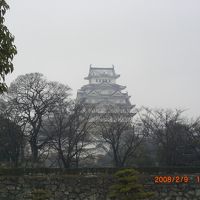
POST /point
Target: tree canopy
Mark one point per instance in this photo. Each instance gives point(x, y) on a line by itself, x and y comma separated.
point(32, 98)
point(7, 48)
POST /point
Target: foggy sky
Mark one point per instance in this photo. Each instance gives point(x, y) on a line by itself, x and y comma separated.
point(154, 45)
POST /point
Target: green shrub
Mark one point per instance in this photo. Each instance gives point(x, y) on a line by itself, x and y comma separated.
point(127, 186)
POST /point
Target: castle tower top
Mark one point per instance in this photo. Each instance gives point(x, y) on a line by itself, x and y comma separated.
point(98, 75)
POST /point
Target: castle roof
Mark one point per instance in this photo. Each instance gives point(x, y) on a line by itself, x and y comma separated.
point(103, 85)
point(96, 72)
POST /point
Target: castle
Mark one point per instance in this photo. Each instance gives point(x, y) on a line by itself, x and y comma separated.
point(102, 90)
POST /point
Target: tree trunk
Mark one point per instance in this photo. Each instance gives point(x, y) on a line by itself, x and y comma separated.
point(34, 151)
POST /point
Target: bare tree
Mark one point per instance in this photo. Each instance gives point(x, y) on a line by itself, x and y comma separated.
point(193, 133)
point(32, 97)
point(69, 127)
point(118, 134)
point(169, 132)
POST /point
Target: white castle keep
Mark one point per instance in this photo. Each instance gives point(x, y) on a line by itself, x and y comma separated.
point(102, 89)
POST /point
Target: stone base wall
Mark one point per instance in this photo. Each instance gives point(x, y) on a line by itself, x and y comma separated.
point(66, 187)
point(176, 192)
point(74, 187)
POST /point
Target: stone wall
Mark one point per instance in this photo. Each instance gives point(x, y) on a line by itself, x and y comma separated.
point(86, 187)
point(175, 191)
point(66, 187)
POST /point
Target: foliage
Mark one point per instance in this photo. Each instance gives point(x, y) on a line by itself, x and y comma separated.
point(127, 186)
point(7, 48)
point(11, 140)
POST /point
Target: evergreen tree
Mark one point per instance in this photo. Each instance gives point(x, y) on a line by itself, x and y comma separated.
point(127, 186)
point(11, 141)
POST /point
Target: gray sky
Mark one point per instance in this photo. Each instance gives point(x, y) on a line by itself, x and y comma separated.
point(154, 45)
